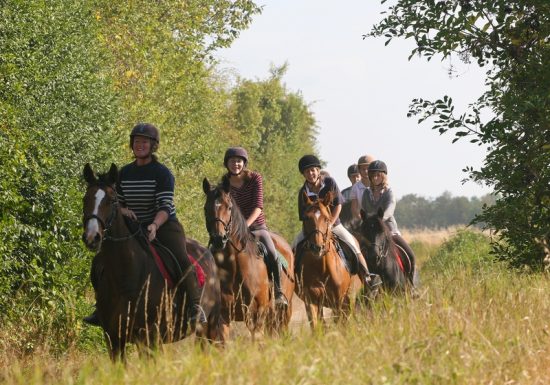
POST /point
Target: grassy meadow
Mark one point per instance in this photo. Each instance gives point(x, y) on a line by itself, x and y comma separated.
point(475, 322)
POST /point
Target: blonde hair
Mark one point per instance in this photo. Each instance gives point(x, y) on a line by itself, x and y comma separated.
point(384, 184)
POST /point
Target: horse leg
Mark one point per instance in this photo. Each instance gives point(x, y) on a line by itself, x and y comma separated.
point(116, 347)
point(312, 310)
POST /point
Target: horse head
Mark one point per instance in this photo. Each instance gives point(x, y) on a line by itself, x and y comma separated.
point(99, 205)
point(317, 233)
point(218, 213)
point(376, 233)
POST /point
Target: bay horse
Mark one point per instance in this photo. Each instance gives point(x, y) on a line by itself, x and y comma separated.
point(384, 257)
point(135, 303)
point(246, 293)
point(324, 279)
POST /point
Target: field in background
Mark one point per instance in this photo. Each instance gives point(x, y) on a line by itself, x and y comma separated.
point(475, 322)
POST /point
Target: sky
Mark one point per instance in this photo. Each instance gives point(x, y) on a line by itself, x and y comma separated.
point(359, 91)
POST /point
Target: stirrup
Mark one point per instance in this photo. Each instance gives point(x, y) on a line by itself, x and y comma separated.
point(280, 300)
point(373, 280)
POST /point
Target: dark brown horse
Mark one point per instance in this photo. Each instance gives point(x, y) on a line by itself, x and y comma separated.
point(323, 277)
point(246, 292)
point(396, 267)
point(134, 301)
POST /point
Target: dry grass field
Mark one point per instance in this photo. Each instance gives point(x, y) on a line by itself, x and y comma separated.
point(475, 322)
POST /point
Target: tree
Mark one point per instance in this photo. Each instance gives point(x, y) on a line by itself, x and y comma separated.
point(511, 39)
point(277, 127)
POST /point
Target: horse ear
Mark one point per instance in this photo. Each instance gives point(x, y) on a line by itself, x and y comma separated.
point(88, 174)
point(328, 198)
point(225, 184)
point(380, 213)
point(307, 199)
point(206, 186)
point(112, 175)
point(363, 214)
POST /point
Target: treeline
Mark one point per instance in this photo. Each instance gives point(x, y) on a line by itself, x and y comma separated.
point(74, 78)
point(413, 211)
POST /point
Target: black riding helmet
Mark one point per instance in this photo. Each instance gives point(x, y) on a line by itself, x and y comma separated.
point(238, 152)
point(146, 129)
point(353, 169)
point(308, 161)
point(378, 165)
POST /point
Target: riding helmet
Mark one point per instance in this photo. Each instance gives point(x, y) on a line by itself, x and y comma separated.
point(365, 160)
point(308, 161)
point(378, 165)
point(235, 152)
point(352, 170)
point(146, 129)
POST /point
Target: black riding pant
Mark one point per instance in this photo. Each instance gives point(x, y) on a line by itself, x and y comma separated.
point(172, 236)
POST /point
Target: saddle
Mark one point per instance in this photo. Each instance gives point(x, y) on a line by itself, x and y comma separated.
point(165, 260)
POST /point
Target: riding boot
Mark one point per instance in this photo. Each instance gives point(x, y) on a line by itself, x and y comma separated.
point(275, 274)
point(369, 279)
point(92, 319)
point(194, 292)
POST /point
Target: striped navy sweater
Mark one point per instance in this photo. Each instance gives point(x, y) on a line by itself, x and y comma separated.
point(146, 190)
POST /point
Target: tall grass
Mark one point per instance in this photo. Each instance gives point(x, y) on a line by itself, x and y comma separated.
point(475, 322)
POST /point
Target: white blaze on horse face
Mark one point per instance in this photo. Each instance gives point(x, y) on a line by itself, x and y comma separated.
point(93, 224)
point(318, 214)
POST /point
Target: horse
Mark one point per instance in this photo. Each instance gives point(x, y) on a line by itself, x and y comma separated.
point(324, 279)
point(246, 292)
point(384, 257)
point(346, 216)
point(135, 303)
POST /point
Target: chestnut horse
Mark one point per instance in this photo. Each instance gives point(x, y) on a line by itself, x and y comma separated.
point(246, 292)
point(134, 301)
point(323, 279)
point(396, 268)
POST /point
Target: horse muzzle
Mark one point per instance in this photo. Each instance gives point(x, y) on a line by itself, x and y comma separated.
point(92, 240)
point(218, 242)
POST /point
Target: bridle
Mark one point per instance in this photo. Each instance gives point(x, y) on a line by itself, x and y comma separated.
point(216, 239)
point(106, 225)
point(314, 247)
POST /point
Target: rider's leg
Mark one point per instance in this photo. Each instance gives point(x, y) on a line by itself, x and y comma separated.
point(272, 265)
point(368, 278)
point(172, 235)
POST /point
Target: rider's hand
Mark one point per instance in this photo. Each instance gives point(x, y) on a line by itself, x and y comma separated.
point(128, 213)
point(152, 229)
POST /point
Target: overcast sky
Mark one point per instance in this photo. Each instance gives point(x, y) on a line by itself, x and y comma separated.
point(359, 91)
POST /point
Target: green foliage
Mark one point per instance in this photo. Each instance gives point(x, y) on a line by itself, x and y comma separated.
point(56, 109)
point(164, 75)
point(277, 127)
point(418, 212)
point(512, 39)
point(467, 250)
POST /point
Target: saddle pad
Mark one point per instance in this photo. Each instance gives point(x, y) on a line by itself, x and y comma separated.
point(281, 260)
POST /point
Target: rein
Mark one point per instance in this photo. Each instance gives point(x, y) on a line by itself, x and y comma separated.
point(107, 225)
point(225, 238)
point(310, 245)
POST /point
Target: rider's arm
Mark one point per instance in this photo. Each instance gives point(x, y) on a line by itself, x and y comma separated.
point(252, 218)
point(335, 213)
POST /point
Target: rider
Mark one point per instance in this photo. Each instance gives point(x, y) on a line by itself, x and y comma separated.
point(380, 195)
point(354, 177)
point(145, 190)
point(317, 187)
point(247, 190)
point(359, 187)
